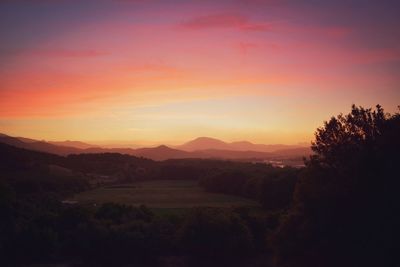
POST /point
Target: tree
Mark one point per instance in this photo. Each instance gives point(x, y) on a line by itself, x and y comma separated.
point(346, 203)
point(211, 234)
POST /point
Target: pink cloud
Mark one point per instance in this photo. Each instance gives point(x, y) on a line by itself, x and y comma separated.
point(152, 68)
point(224, 20)
point(244, 47)
point(332, 32)
point(60, 53)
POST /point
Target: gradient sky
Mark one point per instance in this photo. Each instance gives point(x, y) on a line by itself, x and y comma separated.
point(148, 72)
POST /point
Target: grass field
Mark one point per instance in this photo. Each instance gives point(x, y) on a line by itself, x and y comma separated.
point(162, 194)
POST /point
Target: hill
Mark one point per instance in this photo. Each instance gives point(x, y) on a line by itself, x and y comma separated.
point(203, 143)
point(76, 144)
point(162, 153)
point(202, 148)
point(207, 143)
point(38, 145)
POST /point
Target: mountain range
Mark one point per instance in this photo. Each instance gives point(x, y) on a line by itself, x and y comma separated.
point(205, 143)
point(202, 147)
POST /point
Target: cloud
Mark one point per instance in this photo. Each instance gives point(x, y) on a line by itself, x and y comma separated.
point(152, 68)
point(70, 53)
point(224, 20)
point(57, 52)
point(244, 47)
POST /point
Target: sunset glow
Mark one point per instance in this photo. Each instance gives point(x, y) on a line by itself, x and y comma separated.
point(150, 72)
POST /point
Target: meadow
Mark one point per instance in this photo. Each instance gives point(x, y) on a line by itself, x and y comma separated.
point(162, 194)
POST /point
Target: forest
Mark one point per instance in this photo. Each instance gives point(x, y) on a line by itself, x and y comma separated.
point(341, 209)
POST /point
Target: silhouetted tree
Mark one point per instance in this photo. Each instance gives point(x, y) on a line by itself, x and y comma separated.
point(346, 203)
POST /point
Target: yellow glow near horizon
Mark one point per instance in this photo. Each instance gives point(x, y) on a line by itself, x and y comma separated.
point(146, 73)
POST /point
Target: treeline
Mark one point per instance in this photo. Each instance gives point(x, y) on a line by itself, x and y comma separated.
point(119, 235)
point(21, 168)
point(36, 225)
point(272, 187)
point(27, 174)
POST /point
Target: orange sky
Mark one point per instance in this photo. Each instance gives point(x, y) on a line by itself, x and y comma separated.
point(151, 72)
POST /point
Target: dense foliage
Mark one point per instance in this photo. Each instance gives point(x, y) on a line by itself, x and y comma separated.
point(346, 204)
point(341, 210)
point(272, 187)
point(36, 225)
point(117, 235)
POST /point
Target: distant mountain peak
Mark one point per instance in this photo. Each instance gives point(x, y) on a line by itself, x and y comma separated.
point(206, 139)
point(202, 143)
point(163, 147)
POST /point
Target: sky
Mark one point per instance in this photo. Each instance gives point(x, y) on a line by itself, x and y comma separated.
point(151, 72)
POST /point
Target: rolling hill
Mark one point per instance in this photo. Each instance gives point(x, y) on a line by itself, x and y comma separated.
point(76, 144)
point(202, 147)
point(206, 143)
point(38, 145)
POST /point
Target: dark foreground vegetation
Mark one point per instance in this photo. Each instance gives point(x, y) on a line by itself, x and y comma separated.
point(340, 210)
point(346, 204)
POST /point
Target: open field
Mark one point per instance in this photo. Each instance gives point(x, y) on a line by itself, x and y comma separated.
point(162, 194)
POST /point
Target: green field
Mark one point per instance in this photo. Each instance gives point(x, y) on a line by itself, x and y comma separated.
point(162, 194)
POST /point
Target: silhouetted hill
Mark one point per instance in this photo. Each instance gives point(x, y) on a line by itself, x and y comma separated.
point(27, 140)
point(162, 153)
point(15, 158)
point(5, 139)
point(207, 143)
point(76, 144)
point(202, 143)
point(38, 145)
point(215, 149)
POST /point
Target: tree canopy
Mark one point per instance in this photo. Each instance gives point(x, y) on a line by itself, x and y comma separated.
point(346, 202)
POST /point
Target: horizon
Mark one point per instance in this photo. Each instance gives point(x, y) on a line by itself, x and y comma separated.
point(140, 144)
point(166, 72)
point(178, 133)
